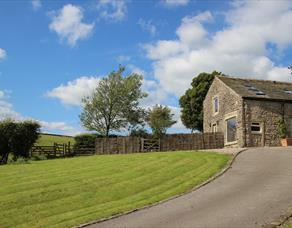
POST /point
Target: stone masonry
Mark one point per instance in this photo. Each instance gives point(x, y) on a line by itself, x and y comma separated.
point(246, 110)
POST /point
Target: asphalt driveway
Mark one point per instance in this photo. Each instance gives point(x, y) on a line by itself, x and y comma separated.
point(255, 190)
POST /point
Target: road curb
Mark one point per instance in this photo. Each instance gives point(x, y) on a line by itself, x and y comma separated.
point(211, 179)
point(280, 221)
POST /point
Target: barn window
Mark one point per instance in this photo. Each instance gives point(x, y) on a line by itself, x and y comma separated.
point(216, 105)
point(256, 127)
point(231, 129)
point(214, 127)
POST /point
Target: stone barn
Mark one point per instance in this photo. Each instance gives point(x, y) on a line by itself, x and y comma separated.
point(247, 111)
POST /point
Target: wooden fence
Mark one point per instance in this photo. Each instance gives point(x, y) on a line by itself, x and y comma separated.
point(118, 145)
point(56, 150)
point(192, 141)
point(124, 145)
point(174, 142)
point(60, 150)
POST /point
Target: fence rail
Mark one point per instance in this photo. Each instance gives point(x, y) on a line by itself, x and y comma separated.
point(174, 142)
point(56, 150)
point(60, 150)
point(125, 145)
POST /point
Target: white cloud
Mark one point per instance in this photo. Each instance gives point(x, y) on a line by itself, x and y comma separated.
point(177, 112)
point(156, 95)
point(68, 24)
point(2, 53)
point(147, 26)
point(59, 126)
point(137, 70)
point(6, 108)
point(123, 58)
point(173, 3)
point(112, 9)
point(36, 4)
point(73, 92)
point(7, 111)
point(238, 49)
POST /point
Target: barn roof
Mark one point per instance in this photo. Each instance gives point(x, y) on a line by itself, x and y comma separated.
point(259, 89)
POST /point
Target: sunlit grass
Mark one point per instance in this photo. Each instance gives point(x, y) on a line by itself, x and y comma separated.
point(72, 191)
point(49, 140)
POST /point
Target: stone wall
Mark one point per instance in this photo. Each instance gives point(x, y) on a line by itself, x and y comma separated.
point(247, 111)
point(230, 104)
point(268, 114)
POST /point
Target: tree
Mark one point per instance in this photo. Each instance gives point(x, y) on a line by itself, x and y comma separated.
point(191, 102)
point(25, 135)
point(160, 119)
point(7, 129)
point(290, 68)
point(113, 103)
point(17, 138)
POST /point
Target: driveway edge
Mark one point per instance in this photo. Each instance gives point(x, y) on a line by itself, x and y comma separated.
point(280, 221)
point(211, 179)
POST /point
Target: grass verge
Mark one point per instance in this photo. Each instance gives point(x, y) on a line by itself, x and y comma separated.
point(72, 191)
point(49, 140)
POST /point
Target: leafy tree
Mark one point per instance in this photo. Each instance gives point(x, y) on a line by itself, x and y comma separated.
point(25, 135)
point(136, 121)
point(114, 103)
point(192, 101)
point(290, 68)
point(7, 130)
point(17, 138)
point(160, 119)
point(139, 132)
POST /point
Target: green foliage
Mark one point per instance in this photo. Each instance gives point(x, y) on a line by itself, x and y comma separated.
point(17, 138)
point(73, 191)
point(282, 129)
point(84, 141)
point(18, 161)
point(160, 119)
point(7, 129)
point(25, 135)
point(114, 104)
point(192, 101)
point(140, 132)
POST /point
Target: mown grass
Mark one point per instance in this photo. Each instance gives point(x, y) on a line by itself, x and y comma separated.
point(48, 140)
point(72, 191)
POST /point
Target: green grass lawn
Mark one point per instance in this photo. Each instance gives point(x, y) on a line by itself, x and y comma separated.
point(48, 140)
point(72, 191)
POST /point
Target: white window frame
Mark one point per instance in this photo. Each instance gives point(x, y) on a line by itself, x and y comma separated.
point(213, 105)
point(214, 127)
point(257, 124)
point(227, 117)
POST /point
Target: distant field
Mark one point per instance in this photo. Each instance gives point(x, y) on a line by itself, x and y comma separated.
point(73, 191)
point(47, 140)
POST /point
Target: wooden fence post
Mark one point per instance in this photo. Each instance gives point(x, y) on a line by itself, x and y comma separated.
point(55, 149)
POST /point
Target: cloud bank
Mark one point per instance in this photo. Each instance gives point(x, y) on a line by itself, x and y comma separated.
point(240, 48)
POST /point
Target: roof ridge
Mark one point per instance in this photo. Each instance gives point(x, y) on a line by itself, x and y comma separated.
point(251, 79)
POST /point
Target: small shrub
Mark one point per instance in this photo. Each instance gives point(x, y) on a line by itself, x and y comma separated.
point(282, 129)
point(40, 157)
point(20, 160)
point(17, 138)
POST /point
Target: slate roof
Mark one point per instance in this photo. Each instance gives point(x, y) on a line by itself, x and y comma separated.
point(259, 89)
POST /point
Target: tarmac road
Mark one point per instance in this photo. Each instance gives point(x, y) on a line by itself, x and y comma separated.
point(257, 189)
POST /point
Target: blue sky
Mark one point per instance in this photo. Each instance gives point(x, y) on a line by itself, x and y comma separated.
point(54, 52)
